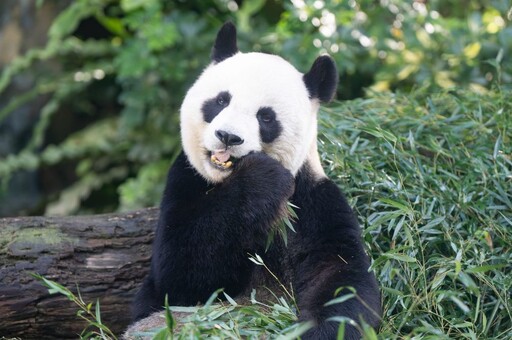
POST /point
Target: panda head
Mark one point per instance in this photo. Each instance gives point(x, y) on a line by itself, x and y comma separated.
point(253, 102)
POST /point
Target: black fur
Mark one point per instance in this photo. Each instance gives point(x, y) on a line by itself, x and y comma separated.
point(206, 231)
point(270, 128)
point(212, 107)
point(326, 254)
point(225, 45)
point(322, 79)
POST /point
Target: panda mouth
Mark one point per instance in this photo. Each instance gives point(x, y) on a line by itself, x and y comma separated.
point(222, 159)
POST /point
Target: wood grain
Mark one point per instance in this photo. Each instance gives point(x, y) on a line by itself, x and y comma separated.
point(106, 256)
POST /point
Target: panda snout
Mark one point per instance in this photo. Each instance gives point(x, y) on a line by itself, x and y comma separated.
point(228, 139)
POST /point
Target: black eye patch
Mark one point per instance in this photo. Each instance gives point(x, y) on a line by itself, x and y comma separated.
point(212, 107)
point(270, 127)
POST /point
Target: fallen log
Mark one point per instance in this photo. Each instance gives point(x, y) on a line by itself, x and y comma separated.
point(106, 256)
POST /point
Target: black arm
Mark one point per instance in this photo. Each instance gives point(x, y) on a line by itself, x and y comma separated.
point(206, 231)
point(329, 255)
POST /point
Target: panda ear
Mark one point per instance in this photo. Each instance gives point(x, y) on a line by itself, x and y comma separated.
point(225, 44)
point(322, 79)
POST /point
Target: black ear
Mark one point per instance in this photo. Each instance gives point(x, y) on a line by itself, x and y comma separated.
point(225, 44)
point(322, 79)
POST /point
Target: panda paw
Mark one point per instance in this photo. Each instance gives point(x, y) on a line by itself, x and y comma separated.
point(265, 174)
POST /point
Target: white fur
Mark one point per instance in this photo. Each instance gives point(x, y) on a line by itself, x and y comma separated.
point(254, 80)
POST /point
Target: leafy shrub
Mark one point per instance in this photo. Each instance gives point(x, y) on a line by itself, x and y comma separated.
point(148, 52)
point(431, 179)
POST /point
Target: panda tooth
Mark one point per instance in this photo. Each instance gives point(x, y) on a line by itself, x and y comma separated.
point(215, 160)
point(225, 165)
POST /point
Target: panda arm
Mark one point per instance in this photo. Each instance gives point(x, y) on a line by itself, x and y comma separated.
point(330, 256)
point(206, 232)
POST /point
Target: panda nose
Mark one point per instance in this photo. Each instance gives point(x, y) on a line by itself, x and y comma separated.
point(227, 138)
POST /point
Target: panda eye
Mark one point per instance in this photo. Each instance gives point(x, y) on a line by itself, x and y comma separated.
point(223, 99)
point(266, 118)
point(266, 115)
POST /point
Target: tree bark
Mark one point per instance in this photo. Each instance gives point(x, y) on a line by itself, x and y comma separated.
point(106, 256)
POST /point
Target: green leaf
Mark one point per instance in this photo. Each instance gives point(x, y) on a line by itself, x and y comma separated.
point(296, 332)
point(162, 334)
point(230, 299)
point(485, 268)
point(340, 299)
point(460, 304)
point(341, 331)
point(380, 133)
point(98, 318)
point(113, 25)
point(399, 257)
point(68, 20)
point(212, 298)
point(245, 12)
point(132, 5)
point(402, 206)
point(169, 319)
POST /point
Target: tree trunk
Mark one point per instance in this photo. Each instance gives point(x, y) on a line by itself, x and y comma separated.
point(106, 256)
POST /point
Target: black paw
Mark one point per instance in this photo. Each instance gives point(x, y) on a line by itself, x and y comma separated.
point(264, 173)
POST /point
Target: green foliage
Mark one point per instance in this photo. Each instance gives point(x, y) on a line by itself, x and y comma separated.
point(396, 44)
point(282, 226)
point(95, 329)
point(216, 319)
point(150, 52)
point(229, 320)
point(431, 179)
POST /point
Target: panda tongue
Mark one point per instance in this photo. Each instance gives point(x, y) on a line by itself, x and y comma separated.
point(222, 155)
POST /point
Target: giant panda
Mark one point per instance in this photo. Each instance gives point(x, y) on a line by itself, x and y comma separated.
point(249, 137)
